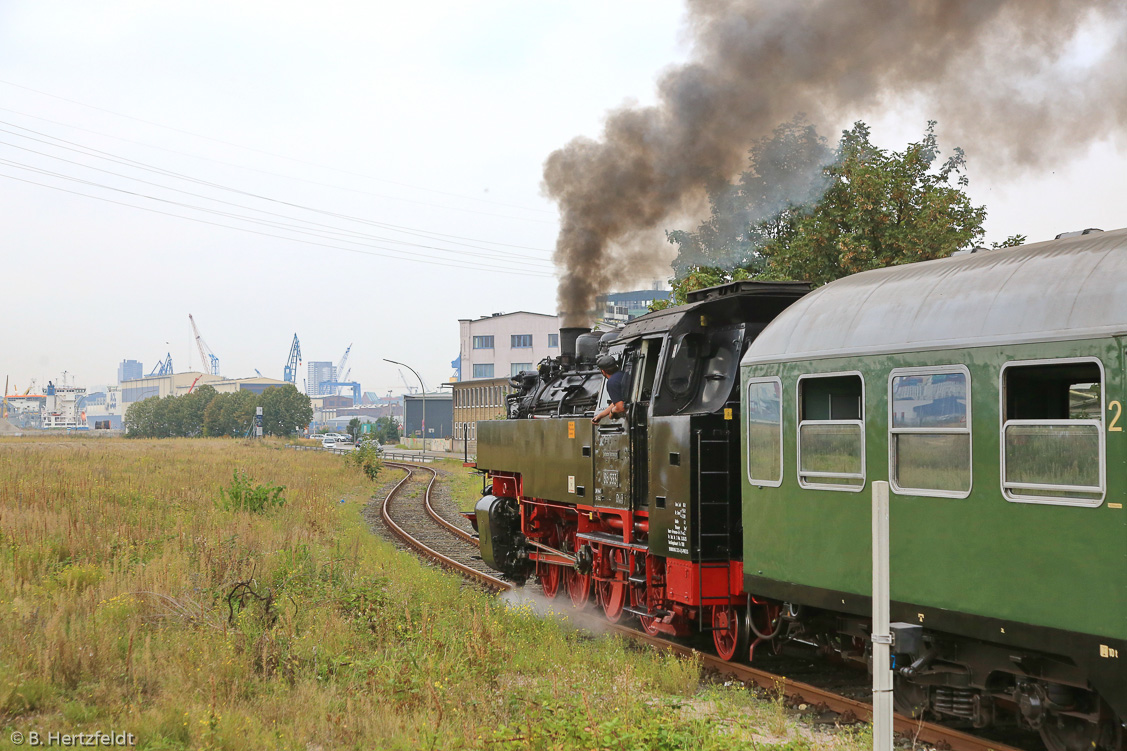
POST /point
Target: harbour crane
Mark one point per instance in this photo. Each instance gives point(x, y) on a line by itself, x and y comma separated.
point(163, 367)
point(338, 373)
point(208, 361)
point(293, 362)
point(410, 389)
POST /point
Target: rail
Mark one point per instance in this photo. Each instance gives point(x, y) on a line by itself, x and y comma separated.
point(395, 456)
point(480, 577)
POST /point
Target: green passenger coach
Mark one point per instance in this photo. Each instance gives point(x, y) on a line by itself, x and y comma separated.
point(988, 390)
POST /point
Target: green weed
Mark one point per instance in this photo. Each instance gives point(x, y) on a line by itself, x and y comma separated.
point(243, 494)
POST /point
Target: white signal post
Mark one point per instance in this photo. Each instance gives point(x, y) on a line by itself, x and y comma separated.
point(881, 634)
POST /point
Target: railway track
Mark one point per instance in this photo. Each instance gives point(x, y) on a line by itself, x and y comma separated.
point(415, 526)
point(450, 548)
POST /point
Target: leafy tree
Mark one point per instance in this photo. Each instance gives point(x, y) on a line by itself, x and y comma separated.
point(230, 414)
point(140, 418)
point(354, 428)
point(801, 212)
point(285, 410)
point(386, 430)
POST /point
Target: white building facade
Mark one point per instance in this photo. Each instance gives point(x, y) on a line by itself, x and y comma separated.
point(504, 344)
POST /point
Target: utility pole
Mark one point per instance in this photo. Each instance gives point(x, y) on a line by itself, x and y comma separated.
point(424, 392)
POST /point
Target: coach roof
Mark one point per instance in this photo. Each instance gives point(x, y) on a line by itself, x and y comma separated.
point(1071, 288)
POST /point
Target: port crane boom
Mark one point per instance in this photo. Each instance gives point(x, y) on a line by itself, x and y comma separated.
point(293, 362)
point(208, 361)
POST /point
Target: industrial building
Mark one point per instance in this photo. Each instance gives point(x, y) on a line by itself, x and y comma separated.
point(483, 399)
point(620, 307)
point(179, 384)
point(504, 344)
point(439, 420)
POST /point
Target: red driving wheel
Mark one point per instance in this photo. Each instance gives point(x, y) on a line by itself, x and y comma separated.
point(730, 633)
point(638, 600)
point(578, 585)
point(612, 592)
point(550, 574)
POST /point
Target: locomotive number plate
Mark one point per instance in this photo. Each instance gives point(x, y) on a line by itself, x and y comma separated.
point(610, 477)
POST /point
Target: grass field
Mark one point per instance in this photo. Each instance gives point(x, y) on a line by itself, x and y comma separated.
point(137, 596)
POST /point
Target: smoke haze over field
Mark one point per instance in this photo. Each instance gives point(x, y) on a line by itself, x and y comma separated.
point(1007, 80)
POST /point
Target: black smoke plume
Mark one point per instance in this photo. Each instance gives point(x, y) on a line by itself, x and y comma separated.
point(1007, 79)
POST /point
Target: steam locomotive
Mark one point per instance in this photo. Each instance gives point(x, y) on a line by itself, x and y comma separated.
point(728, 499)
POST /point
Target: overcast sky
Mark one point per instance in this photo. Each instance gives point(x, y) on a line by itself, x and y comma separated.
point(345, 170)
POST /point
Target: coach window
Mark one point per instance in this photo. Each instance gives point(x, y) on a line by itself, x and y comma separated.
point(929, 431)
point(764, 430)
point(831, 432)
point(1052, 432)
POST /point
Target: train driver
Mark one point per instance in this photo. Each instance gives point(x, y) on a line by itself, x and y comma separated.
point(616, 387)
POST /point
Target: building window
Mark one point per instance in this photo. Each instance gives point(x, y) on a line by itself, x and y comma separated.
point(522, 341)
point(1052, 432)
point(482, 342)
point(520, 366)
point(764, 409)
point(929, 431)
point(483, 370)
point(553, 340)
point(831, 432)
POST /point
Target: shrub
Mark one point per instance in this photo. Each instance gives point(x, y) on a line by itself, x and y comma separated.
point(367, 458)
point(243, 494)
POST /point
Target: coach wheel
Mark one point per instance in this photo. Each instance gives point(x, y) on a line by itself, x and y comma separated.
point(612, 593)
point(1062, 733)
point(730, 633)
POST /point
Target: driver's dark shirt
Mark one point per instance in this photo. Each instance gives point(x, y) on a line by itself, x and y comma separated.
point(616, 387)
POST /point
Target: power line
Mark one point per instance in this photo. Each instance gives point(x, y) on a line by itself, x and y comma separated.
point(490, 254)
point(98, 153)
point(267, 234)
point(278, 156)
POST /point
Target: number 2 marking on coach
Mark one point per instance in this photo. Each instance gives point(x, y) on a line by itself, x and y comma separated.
point(1118, 408)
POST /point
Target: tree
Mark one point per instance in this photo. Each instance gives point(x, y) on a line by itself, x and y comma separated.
point(285, 410)
point(801, 213)
point(385, 430)
point(230, 414)
point(880, 210)
point(354, 428)
point(140, 418)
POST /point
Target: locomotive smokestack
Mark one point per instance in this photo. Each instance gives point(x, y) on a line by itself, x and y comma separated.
point(999, 71)
point(567, 342)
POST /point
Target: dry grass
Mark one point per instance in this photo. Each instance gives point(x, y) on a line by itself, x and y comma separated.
point(131, 601)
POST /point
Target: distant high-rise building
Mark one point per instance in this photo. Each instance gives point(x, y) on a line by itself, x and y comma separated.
point(320, 372)
point(130, 370)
